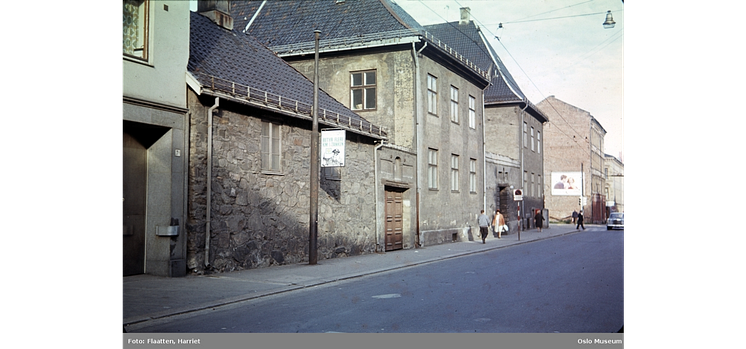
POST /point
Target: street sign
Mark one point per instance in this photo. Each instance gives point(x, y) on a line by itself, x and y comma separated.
point(517, 195)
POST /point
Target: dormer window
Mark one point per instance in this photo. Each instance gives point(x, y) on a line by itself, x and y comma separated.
point(135, 25)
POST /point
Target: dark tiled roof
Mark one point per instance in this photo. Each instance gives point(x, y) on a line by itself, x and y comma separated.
point(224, 61)
point(291, 22)
point(467, 40)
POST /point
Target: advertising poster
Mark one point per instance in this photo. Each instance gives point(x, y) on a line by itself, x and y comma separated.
point(332, 148)
point(566, 183)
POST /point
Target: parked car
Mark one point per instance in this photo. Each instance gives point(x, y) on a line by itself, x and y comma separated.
point(616, 220)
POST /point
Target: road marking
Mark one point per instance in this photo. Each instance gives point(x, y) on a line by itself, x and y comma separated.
point(385, 296)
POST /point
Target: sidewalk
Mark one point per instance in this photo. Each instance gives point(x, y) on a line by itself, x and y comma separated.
point(148, 297)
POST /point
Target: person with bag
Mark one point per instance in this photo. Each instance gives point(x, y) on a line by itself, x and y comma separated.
point(499, 223)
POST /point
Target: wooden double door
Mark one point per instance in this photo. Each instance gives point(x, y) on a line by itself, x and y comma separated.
point(394, 219)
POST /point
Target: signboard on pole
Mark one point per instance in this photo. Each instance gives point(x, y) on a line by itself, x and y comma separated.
point(517, 195)
point(332, 148)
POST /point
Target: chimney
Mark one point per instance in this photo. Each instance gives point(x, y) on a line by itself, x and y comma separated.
point(465, 15)
point(217, 10)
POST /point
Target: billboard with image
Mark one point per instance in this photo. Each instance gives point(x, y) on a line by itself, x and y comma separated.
point(566, 183)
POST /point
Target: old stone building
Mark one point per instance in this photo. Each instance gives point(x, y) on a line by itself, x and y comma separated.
point(573, 162)
point(249, 158)
point(155, 54)
point(614, 192)
point(513, 127)
point(379, 62)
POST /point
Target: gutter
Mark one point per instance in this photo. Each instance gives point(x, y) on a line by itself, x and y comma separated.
point(418, 136)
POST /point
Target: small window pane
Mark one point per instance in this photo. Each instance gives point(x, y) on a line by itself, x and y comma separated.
point(370, 78)
point(357, 79)
point(370, 98)
point(357, 99)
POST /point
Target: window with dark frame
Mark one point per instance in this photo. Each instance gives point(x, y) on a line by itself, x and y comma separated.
point(363, 90)
point(432, 169)
point(473, 175)
point(472, 112)
point(454, 172)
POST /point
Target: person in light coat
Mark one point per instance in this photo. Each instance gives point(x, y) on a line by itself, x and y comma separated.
point(499, 223)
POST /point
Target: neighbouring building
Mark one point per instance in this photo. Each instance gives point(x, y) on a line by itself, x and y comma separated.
point(155, 54)
point(614, 192)
point(573, 162)
point(249, 133)
point(379, 62)
point(513, 127)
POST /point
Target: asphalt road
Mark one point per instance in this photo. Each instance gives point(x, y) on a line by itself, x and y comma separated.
point(568, 284)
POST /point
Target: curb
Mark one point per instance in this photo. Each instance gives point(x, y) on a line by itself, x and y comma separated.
point(140, 320)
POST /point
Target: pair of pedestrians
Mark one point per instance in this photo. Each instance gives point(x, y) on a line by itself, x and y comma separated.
point(484, 225)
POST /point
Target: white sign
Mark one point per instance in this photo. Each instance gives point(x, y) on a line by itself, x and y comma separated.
point(517, 195)
point(566, 183)
point(333, 148)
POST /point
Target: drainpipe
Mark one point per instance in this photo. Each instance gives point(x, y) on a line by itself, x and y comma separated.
point(523, 147)
point(375, 178)
point(418, 138)
point(209, 179)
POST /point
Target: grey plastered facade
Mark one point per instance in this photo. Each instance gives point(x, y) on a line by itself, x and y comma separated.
point(154, 144)
point(510, 163)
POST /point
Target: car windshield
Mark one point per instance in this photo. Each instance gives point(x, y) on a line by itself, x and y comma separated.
point(617, 215)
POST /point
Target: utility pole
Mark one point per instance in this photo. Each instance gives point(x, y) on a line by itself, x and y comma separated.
point(313, 222)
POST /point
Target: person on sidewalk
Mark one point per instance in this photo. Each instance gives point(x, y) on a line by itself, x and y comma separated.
point(498, 223)
point(580, 221)
point(539, 220)
point(574, 216)
point(484, 225)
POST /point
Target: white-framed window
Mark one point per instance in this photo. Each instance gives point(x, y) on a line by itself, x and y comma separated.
point(525, 135)
point(454, 104)
point(454, 172)
point(532, 139)
point(473, 175)
point(271, 141)
point(135, 28)
point(538, 142)
point(432, 94)
point(432, 169)
point(472, 112)
point(363, 90)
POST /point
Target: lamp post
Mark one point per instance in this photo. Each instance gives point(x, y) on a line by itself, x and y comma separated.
point(313, 221)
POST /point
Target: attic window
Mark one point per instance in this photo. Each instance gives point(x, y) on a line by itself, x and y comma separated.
point(363, 90)
point(135, 28)
point(340, 1)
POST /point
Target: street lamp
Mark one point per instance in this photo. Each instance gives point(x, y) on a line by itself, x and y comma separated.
point(609, 23)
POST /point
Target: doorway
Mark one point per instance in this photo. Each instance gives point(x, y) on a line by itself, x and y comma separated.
point(137, 139)
point(394, 219)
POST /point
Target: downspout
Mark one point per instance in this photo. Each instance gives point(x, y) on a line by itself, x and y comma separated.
point(375, 178)
point(523, 147)
point(209, 179)
point(484, 156)
point(418, 138)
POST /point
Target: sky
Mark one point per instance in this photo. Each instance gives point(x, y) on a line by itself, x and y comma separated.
point(552, 48)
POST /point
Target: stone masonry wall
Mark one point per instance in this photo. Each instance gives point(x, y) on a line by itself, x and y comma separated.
point(261, 219)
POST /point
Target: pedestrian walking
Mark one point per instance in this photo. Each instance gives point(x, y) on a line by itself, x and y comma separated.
point(498, 223)
point(539, 220)
point(574, 216)
point(580, 221)
point(484, 225)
